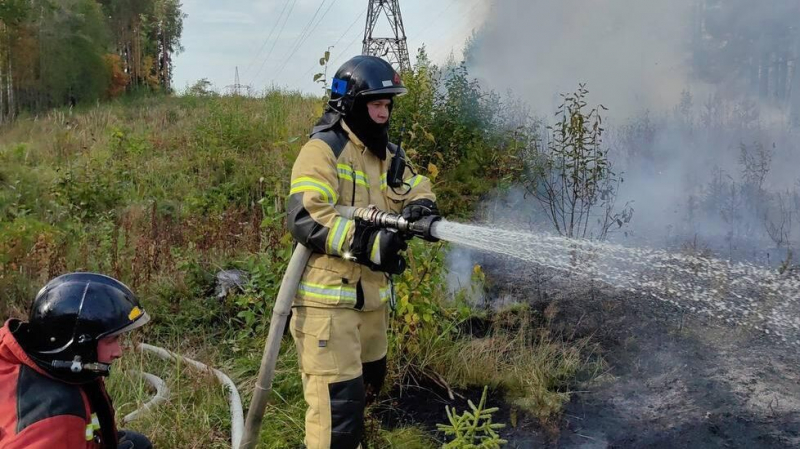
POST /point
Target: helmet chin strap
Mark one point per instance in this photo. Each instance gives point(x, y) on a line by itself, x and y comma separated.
point(76, 366)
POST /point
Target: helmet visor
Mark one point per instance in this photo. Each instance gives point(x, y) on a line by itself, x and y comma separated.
point(393, 90)
point(143, 319)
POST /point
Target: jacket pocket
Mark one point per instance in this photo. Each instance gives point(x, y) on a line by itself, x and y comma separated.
point(328, 281)
point(395, 200)
point(312, 334)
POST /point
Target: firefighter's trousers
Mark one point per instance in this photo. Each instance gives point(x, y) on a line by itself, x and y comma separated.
point(342, 356)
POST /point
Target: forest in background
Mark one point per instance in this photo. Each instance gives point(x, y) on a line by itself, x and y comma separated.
point(65, 52)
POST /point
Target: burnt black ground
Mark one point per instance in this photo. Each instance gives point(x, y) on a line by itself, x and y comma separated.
point(424, 405)
point(700, 387)
point(673, 380)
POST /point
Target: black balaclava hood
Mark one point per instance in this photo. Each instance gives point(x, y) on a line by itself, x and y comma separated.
point(374, 136)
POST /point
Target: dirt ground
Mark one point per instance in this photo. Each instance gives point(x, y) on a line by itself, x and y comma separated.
point(673, 380)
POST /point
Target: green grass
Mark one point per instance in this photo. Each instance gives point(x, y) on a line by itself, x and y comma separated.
point(197, 413)
point(162, 193)
point(138, 189)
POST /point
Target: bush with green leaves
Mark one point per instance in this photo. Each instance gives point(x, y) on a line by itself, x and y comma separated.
point(458, 133)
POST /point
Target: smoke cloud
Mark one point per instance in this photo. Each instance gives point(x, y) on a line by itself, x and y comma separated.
point(702, 94)
point(629, 52)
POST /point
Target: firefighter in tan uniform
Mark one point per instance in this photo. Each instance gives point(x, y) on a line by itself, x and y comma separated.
point(339, 319)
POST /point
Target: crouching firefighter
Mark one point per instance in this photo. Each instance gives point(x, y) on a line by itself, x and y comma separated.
point(339, 315)
point(52, 394)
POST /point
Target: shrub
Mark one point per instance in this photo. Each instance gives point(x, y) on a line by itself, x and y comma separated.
point(570, 176)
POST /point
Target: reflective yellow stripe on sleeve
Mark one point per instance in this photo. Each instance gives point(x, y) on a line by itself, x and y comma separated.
point(414, 180)
point(92, 427)
point(376, 246)
point(306, 184)
point(337, 234)
point(385, 293)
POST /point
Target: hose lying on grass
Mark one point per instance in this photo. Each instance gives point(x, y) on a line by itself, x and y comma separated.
point(162, 394)
point(237, 416)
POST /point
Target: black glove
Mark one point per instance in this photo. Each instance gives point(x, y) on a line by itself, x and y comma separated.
point(418, 209)
point(133, 440)
point(379, 248)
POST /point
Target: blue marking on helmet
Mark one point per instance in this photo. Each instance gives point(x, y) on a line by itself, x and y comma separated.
point(339, 86)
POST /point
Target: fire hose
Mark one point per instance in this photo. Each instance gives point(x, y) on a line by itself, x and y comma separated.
point(162, 394)
point(233, 394)
point(424, 227)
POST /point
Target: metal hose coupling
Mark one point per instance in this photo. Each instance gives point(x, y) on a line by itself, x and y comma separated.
point(377, 217)
point(420, 228)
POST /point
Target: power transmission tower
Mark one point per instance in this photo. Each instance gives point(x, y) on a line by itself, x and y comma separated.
point(236, 87)
point(394, 49)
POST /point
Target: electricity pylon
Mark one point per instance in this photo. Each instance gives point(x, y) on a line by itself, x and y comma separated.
point(393, 48)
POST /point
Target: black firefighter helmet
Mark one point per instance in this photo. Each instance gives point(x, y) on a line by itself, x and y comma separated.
point(363, 76)
point(69, 317)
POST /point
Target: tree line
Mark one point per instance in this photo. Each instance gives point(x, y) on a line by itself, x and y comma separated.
point(755, 44)
point(65, 52)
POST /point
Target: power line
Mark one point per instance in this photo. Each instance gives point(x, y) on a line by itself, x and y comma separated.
point(264, 44)
point(339, 40)
point(318, 22)
point(460, 16)
point(302, 33)
point(432, 21)
point(350, 27)
point(346, 48)
point(291, 8)
point(304, 38)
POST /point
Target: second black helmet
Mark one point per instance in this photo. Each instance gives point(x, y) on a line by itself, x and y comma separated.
point(73, 312)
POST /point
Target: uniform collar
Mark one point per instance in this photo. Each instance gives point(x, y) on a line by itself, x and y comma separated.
point(11, 351)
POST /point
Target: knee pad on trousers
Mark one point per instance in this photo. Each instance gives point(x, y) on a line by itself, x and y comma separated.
point(347, 413)
point(374, 375)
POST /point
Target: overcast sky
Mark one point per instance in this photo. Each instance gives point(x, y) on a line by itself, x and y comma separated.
point(219, 36)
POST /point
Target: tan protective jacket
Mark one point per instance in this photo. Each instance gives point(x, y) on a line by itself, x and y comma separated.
point(335, 168)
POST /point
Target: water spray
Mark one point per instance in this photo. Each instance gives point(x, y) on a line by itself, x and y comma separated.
point(423, 228)
point(738, 293)
point(735, 293)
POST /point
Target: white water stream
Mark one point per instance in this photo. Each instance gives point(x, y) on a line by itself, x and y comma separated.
point(739, 293)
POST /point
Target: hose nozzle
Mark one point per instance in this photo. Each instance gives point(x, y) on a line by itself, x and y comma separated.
point(423, 228)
